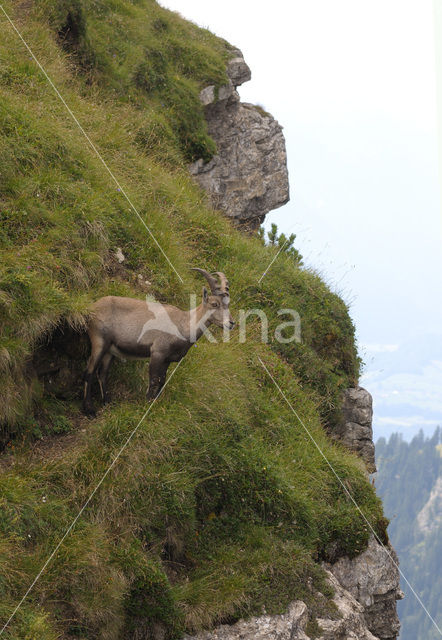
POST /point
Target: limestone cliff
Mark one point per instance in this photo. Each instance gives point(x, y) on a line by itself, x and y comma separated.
point(372, 578)
point(247, 177)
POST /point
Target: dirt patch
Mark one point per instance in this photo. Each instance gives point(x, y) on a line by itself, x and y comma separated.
point(47, 447)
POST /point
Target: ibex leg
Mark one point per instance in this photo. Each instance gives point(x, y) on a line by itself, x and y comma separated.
point(102, 376)
point(157, 376)
point(97, 353)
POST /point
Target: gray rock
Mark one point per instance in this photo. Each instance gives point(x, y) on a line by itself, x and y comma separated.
point(288, 626)
point(355, 430)
point(348, 623)
point(238, 71)
point(351, 624)
point(207, 95)
point(372, 578)
point(248, 176)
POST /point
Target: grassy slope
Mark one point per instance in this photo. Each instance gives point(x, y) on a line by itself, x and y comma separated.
point(220, 505)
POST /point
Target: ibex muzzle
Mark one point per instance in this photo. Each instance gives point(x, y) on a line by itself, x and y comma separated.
point(131, 328)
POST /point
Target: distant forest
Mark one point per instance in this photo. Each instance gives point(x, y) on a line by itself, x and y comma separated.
point(407, 481)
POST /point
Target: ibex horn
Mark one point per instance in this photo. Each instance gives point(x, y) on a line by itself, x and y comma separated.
point(224, 282)
point(213, 284)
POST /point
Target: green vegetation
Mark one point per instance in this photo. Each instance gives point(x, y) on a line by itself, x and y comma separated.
point(282, 242)
point(148, 57)
point(219, 505)
point(412, 470)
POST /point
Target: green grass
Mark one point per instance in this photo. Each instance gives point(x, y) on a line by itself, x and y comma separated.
point(215, 509)
point(220, 505)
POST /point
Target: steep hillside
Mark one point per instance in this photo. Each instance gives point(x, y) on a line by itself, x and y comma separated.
point(220, 505)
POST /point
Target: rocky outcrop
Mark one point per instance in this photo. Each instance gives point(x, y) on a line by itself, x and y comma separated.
point(351, 625)
point(248, 176)
point(347, 624)
point(372, 578)
point(355, 429)
point(288, 626)
point(365, 593)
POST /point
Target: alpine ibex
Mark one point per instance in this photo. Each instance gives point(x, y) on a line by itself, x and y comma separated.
point(131, 328)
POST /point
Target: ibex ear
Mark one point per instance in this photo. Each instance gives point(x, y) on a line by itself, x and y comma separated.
point(205, 295)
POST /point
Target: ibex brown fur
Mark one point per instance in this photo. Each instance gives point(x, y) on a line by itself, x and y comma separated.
point(131, 328)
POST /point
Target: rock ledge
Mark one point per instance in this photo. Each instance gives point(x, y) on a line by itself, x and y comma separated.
point(248, 177)
point(348, 624)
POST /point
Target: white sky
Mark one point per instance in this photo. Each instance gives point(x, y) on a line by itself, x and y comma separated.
point(354, 86)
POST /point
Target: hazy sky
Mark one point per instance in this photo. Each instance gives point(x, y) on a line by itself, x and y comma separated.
point(354, 86)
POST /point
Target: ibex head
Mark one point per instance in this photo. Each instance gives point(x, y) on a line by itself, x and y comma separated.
point(217, 303)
